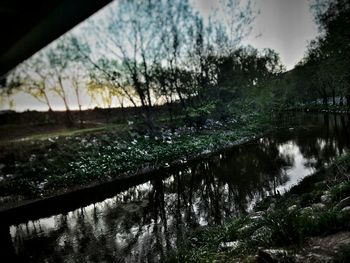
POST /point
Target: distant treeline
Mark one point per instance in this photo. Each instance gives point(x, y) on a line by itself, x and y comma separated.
point(92, 116)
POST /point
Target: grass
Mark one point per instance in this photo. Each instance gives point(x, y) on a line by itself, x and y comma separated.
point(343, 255)
point(46, 163)
point(64, 133)
point(341, 191)
point(319, 107)
point(281, 228)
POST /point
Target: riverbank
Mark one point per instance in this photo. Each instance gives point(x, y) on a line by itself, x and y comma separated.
point(320, 108)
point(310, 223)
point(41, 168)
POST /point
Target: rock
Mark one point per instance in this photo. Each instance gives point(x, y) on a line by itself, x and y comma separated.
point(264, 257)
point(319, 206)
point(271, 255)
point(343, 203)
point(345, 209)
point(232, 245)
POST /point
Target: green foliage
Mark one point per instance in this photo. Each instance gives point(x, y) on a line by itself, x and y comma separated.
point(340, 191)
point(201, 111)
point(292, 227)
point(343, 255)
point(49, 165)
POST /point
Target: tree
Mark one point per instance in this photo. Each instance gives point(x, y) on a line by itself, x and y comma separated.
point(133, 38)
point(68, 71)
point(332, 48)
point(107, 73)
point(164, 50)
point(32, 78)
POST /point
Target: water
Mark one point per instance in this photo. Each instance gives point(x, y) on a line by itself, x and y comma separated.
point(144, 222)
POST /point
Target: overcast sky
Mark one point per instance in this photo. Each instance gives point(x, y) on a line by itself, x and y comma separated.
point(283, 25)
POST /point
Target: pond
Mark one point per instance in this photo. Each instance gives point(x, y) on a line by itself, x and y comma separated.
point(143, 222)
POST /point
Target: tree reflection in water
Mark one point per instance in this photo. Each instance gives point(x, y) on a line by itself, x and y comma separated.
point(144, 222)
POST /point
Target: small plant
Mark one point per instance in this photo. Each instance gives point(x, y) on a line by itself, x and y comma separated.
point(343, 255)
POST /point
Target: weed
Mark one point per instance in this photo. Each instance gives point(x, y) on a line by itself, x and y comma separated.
point(343, 255)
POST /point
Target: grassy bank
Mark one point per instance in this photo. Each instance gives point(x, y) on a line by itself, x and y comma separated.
point(304, 225)
point(321, 108)
point(39, 166)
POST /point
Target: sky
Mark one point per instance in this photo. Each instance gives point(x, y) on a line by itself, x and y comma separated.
point(283, 25)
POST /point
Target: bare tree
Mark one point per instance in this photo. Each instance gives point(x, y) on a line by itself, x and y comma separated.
point(31, 77)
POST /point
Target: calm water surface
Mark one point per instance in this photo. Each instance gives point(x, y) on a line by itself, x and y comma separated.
point(144, 222)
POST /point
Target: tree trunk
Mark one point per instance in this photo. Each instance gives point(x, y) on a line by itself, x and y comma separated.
point(347, 99)
point(81, 117)
point(69, 118)
point(325, 100)
point(149, 121)
point(146, 108)
point(77, 94)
